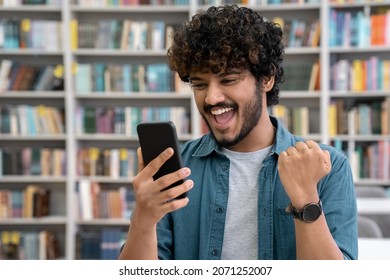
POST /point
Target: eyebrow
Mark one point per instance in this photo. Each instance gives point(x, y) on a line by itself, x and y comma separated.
point(221, 75)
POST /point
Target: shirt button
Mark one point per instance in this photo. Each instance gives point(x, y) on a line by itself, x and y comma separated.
point(220, 210)
point(225, 168)
point(215, 252)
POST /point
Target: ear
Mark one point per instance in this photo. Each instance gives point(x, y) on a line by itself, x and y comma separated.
point(268, 83)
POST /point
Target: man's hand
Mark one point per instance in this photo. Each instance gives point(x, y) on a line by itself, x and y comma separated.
point(151, 202)
point(300, 168)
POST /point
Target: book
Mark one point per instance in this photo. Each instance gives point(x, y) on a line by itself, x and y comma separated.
point(28, 208)
point(89, 120)
point(83, 84)
point(74, 38)
point(5, 69)
point(85, 200)
point(378, 29)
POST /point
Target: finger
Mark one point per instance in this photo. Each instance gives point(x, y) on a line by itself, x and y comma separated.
point(172, 193)
point(283, 154)
point(141, 163)
point(291, 150)
point(154, 165)
point(175, 204)
point(301, 146)
point(327, 160)
point(171, 178)
point(312, 144)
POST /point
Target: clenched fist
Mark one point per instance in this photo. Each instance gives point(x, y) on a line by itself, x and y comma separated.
point(300, 168)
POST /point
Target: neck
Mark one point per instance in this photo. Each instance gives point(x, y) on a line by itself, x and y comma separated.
point(261, 136)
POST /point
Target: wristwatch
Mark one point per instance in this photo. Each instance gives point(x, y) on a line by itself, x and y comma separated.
point(309, 213)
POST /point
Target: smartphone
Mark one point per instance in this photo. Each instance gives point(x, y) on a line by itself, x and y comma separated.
point(154, 138)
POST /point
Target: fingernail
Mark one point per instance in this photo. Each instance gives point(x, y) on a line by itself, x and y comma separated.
point(190, 184)
point(185, 171)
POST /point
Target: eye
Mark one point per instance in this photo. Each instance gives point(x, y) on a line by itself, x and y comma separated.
point(198, 85)
point(230, 80)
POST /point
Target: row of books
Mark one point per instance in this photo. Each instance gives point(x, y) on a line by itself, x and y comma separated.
point(371, 161)
point(293, 1)
point(356, 28)
point(357, 1)
point(15, 76)
point(296, 119)
point(31, 202)
point(157, 35)
point(299, 33)
point(360, 119)
point(100, 245)
point(109, 3)
point(96, 202)
point(124, 120)
point(122, 34)
point(29, 245)
point(32, 161)
point(30, 34)
point(17, 3)
point(31, 120)
point(305, 77)
point(360, 75)
point(113, 163)
point(127, 78)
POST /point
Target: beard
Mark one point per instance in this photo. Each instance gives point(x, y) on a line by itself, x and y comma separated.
point(251, 116)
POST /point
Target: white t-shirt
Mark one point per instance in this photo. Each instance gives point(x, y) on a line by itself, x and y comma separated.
point(240, 239)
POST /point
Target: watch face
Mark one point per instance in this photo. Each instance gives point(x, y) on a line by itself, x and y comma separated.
point(311, 212)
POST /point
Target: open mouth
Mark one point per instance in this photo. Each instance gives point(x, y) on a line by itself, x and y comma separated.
point(222, 115)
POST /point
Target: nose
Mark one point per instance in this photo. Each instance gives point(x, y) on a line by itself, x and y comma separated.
point(214, 93)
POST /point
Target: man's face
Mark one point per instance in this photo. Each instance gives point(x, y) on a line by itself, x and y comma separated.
point(230, 103)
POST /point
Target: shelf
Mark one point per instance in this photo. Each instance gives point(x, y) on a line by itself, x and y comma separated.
point(346, 5)
point(104, 222)
point(30, 52)
point(32, 9)
point(133, 9)
point(299, 94)
point(49, 137)
point(107, 179)
point(118, 137)
point(50, 220)
point(117, 52)
point(373, 206)
point(31, 179)
point(359, 94)
point(357, 50)
point(362, 138)
point(32, 95)
point(372, 182)
point(302, 51)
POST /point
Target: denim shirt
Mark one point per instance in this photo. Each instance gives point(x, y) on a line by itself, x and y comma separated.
point(196, 231)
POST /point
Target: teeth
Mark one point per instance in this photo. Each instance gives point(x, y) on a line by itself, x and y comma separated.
point(220, 111)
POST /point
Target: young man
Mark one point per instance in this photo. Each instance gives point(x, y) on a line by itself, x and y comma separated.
point(255, 190)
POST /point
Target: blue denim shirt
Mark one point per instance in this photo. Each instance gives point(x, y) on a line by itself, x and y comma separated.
point(196, 231)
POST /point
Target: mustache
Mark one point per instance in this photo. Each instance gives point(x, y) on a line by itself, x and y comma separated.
point(207, 107)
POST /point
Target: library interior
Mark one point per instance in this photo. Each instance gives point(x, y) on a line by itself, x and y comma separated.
point(77, 76)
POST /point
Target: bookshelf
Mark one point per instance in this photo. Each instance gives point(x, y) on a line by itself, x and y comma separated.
point(116, 100)
point(362, 94)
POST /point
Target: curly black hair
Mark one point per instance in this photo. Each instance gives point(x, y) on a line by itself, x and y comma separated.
point(228, 37)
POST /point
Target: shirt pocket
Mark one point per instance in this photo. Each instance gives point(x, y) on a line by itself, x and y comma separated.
point(284, 237)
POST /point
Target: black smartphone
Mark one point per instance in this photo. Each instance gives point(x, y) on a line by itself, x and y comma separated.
point(154, 138)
